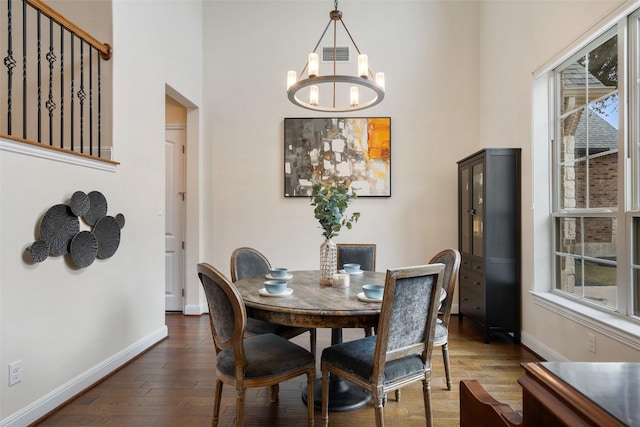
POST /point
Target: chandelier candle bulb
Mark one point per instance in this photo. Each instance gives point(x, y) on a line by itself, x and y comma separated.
point(380, 79)
point(363, 65)
point(313, 95)
point(313, 64)
point(354, 96)
point(292, 76)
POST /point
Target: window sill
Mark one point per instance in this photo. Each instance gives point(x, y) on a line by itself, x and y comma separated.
point(616, 327)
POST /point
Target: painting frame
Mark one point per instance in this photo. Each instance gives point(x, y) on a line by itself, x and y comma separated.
point(356, 150)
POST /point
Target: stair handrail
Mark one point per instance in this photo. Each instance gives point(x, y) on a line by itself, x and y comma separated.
point(104, 48)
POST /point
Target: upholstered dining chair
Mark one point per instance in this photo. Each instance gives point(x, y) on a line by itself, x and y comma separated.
point(451, 260)
point(249, 262)
point(400, 353)
point(358, 253)
point(257, 361)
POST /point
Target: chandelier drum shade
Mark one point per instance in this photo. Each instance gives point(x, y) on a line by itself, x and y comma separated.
point(335, 92)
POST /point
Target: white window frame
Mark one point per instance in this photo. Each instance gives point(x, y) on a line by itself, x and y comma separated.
point(585, 213)
point(621, 324)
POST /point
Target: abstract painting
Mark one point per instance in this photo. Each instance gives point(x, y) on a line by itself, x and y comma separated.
point(353, 150)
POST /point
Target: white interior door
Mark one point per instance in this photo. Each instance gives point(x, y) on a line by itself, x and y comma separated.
point(175, 137)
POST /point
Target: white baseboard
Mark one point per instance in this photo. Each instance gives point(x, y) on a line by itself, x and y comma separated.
point(62, 394)
point(454, 308)
point(195, 310)
point(541, 349)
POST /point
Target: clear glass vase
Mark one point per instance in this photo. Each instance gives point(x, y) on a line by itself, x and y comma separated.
point(328, 261)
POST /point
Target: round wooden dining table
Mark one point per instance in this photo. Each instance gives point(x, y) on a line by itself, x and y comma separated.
point(314, 305)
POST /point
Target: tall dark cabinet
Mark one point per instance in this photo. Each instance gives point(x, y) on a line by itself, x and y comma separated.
point(489, 240)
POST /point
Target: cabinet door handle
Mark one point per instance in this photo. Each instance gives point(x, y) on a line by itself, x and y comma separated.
point(477, 283)
point(477, 307)
point(477, 267)
point(471, 211)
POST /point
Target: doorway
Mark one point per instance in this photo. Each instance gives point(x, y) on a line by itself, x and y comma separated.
point(175, 206)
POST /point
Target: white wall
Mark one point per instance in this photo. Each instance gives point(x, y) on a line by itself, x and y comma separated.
point(428, 51)
point(69, 326)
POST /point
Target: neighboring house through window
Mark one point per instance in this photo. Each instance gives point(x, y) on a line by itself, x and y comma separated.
point(585, 205)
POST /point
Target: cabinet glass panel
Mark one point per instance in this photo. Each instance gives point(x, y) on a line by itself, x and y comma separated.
point(478, 208)
point(465, 222)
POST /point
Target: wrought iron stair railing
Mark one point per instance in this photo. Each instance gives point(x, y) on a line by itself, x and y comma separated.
point(54, 82)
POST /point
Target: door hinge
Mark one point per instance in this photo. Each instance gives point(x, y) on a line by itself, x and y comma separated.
point(183, 244)
point(183, 149)
point(183, 292)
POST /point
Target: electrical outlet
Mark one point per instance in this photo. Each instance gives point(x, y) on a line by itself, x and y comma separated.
point(591, 343)
point(15, 372)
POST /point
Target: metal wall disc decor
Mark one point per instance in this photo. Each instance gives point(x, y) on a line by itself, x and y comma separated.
point(60, 230)
point(97, 207)
point(120, 220)
point(83, 249)
point(39, 250)
point(79, 203)
point(107, 231)
point(58, 227)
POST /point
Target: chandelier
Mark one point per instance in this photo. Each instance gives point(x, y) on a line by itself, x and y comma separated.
point(343, 91)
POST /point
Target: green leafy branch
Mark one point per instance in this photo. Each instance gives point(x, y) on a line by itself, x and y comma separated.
point(331, 201)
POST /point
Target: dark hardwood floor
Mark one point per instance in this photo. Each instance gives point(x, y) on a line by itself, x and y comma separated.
point(172, 385)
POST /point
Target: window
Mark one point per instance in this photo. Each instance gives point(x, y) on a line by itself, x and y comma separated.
point(593, 182)
point(586, 170)
point(585, 243)
point(595, 206)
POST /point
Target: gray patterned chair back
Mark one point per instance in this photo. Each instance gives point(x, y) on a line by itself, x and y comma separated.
point(248, 262)
point(363, 254)
point(411, 303)
point(408, 315)
point(225, 307)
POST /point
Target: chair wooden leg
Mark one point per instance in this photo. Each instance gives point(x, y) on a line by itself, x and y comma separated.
point(239, 406)
point(273, 393)
point(426, 392)
point(325, 398)
point(378, 403)
point(311, 376)
point(398, 395)
point(447, 368)
point(216, 402)
point(312, 342)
